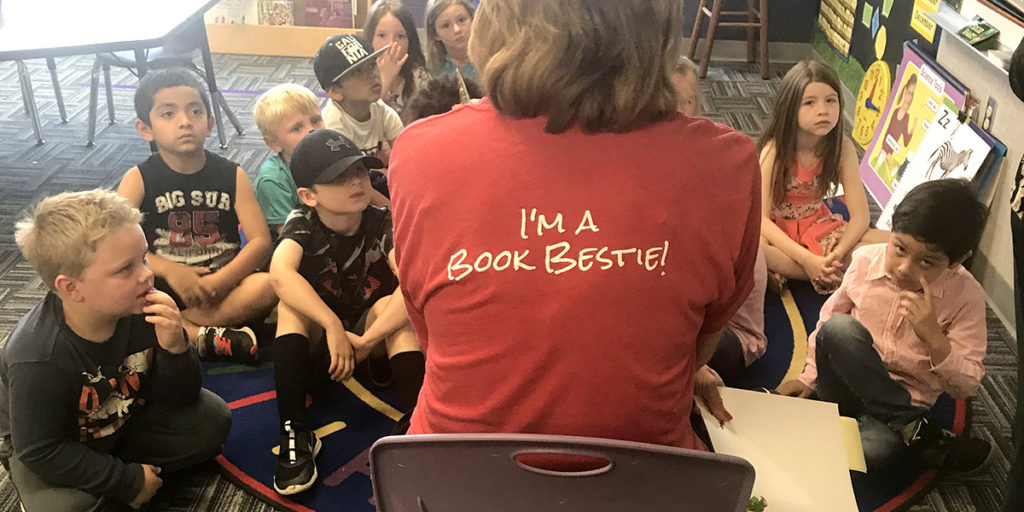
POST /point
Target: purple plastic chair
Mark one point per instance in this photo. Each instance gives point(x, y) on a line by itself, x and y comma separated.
point(482, 472)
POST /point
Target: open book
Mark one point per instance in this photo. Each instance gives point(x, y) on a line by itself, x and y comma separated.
point(796, 446)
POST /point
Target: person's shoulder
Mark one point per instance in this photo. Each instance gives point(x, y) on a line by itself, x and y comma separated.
point(868, 254)
point(34, 338)
point(380, 108)
point(219, 163)
point(720, 133)
point(299, 221)
point(965, 287)
point(453, 121)
point(376, 216)
point(272, 168)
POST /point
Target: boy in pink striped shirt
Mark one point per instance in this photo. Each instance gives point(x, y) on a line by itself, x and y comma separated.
point(906, 325)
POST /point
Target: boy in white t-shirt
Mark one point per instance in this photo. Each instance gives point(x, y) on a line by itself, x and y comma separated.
point(346, 67)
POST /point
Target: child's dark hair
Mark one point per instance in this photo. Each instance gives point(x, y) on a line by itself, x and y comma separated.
point(159, 79)
point(408, 21)
point(943, 213)
point(438, 96)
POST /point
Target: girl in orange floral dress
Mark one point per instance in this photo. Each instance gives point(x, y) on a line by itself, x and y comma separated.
point(804, 157)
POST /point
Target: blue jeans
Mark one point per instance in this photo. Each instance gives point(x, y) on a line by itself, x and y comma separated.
point(852, 375)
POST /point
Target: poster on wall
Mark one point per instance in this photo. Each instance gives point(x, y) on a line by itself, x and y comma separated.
point(919, 92)
point(238, 12)
point(329, 13)
point(276, 12)
point(949, 149)
point(919, 20)
point(880, 27)
point(835, 20)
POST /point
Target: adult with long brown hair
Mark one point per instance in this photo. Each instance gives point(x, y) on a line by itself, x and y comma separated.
point(571, 247)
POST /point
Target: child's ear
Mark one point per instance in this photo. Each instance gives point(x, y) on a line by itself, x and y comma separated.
point(307, 196)
point(953, 264)
point(209, 124)
point(144, 129)
point(272, 143)
point(334, 93)
point(66, 287)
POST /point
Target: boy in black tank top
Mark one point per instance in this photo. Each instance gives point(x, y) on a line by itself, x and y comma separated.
point(193, 203)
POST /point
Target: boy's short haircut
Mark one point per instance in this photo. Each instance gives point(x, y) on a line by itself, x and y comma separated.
point(282, 99)
point(62, 232)
point(943, 213)
point(159, 79)
point(438, 96)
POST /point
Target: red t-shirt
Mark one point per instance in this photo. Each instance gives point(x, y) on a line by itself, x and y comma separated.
point(558, 282)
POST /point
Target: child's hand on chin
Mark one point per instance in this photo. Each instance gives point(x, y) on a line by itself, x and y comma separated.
point(162, 312)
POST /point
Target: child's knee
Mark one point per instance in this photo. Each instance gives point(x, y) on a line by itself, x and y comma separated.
point(840, 332)
point(213, 413)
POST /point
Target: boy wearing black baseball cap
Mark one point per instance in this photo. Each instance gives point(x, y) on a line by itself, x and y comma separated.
point(346, 67)
point(339, 295)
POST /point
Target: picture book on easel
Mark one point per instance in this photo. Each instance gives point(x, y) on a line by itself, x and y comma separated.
point(920, 91)
point(952, 147)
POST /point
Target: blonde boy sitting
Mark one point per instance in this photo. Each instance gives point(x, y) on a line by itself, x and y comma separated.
point(99, 388)
point(284, 114)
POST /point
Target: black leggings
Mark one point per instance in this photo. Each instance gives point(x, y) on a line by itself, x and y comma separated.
point(728, 359)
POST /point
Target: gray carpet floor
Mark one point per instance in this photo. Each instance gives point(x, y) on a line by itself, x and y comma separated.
point(734, 94)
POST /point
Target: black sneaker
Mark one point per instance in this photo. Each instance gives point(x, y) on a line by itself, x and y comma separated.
point(939, 448)
point(296, 470)
point(967, 455)
point(233, 344)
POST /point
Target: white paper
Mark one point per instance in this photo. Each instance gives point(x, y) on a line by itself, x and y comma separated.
point(795, 446)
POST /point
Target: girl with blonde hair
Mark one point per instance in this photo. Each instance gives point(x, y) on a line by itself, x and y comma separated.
point(449, 25)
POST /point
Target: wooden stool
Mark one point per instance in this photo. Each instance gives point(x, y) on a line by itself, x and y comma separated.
point(756, 19)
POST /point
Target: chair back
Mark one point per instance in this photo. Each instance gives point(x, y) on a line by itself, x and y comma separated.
point(495, 473)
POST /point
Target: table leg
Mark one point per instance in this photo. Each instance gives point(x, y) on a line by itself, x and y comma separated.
point(140, 59)
point(52, 64)
point(94, 92)
point(110, 94)
point(30, 101)
point(211, 81)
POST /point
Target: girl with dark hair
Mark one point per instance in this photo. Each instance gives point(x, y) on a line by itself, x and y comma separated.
point(403, 67)
point(804, 157)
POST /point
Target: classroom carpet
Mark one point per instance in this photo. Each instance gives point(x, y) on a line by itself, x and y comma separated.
point(733, 94)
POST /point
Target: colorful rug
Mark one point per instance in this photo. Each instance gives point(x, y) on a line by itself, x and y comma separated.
point(350, 417)
point(353, 415)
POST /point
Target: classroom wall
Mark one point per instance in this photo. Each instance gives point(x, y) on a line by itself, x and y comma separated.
point(788, 20)
point(993, 266)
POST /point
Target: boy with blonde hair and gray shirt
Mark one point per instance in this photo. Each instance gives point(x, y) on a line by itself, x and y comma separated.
point(122, 384)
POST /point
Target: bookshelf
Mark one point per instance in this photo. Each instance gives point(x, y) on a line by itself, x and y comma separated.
point(281, 41)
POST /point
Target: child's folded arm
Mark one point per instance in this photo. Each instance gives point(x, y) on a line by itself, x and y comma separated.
point(177, 378)
point(393, 318)
point(856, 201)
point(42, 441)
